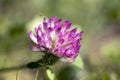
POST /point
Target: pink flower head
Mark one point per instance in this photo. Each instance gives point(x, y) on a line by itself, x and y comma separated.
point(57, 38)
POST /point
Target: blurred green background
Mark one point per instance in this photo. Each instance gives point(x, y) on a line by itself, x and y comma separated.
point(100, 20)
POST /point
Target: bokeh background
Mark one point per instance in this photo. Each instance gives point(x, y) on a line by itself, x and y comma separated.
point(100, 52)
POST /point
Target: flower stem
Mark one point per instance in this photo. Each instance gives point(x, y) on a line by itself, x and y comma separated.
point(36, 76)
point(17, 74)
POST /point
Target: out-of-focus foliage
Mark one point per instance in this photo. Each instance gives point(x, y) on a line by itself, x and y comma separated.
point(79, 63)
point(111, 52)
point(100, 20)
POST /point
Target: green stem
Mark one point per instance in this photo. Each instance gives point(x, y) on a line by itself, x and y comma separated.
point(17, 75)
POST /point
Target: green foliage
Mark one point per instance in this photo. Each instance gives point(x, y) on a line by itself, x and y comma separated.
point(50, 74)
point(78, 63)
point(33, 65)
point(112, 51)
point(67, 73)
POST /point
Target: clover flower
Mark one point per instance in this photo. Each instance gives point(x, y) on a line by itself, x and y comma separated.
point(55, 37)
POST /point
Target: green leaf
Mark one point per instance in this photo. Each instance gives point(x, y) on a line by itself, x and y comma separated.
point(78, 63)
point(33, 65)
point(50, 74)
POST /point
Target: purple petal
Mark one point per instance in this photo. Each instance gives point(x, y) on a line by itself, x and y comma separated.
point(58, 22)
point(45, 26)
point(51, 23)
point(67, 24)
point(53, 19)
point(44, 20)
point(60, 42)
point(72, 33)
point(34, 48)
point(32, 37)
point(79, 35)
point(58, 30)
point(39, 31)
